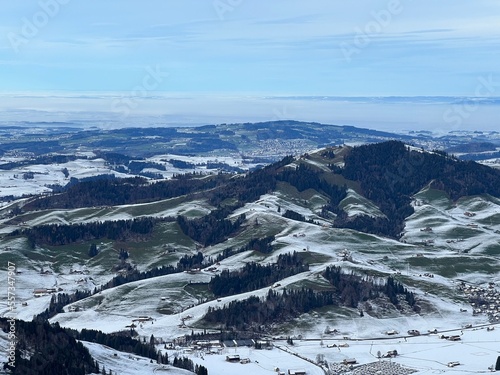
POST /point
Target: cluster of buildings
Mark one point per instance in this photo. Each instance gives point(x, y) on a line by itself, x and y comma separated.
point(484, 300)
point(40, 292)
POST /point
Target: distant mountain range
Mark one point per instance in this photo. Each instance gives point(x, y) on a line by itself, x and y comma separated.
point(271, 140)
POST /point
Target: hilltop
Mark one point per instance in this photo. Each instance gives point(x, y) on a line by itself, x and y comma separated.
point(365, 239)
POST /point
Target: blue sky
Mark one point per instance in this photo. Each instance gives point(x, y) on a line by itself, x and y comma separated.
point(250, 47)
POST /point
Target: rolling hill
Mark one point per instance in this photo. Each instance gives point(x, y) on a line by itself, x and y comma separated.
point(407, 229)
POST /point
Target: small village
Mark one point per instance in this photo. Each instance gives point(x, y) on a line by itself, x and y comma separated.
point(484, 300)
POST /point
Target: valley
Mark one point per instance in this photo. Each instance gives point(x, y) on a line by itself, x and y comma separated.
point(312, 204)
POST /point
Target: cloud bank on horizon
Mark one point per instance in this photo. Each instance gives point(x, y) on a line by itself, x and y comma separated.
point(249, 47)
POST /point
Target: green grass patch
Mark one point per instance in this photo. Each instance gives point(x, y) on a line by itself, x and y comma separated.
point(199, 291)
point(453, 266)
point(492, 250)
point(311, 257)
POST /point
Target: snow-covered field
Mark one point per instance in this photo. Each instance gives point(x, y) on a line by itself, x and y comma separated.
point(441, 246)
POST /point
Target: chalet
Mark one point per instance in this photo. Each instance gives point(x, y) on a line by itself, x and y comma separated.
point(453, 364)
point(349, 361)
point(142, 319)
point(244, 361)
point(40, 292)
point(392, 332)
point(296, 372)
point(454, 338)
point(414, 332)
point(234, 358)
point(469, 214)
point(264, 342)
point(203, 343)
point(390, 354)
point(215, 344)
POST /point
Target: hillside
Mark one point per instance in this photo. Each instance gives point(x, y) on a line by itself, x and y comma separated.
point(403, 226)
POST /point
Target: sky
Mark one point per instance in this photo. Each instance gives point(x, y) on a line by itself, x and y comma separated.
point(214, 60)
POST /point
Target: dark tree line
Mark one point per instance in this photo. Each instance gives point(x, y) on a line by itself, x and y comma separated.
point(275, 307)
point(212, 228)
point(304, 177)
point(181, 164)
point(262, 245)
point(290, 214)
point(59, 300)
point(348, 290)
point(251, 186)
point(51, 350)
point(352, 289)
point(256, 276)
point(44, 159)
point(62, 234)
point(123, 342)
point(136, 167)
point(187, 364)
point(108, 191)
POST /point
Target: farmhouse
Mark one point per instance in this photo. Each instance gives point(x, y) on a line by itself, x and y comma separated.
point(234, 358)
point(296, 372)
point(40, 292)
point(142, 319)
point(350, 361)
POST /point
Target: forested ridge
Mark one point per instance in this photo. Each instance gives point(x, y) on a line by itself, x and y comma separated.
point(114, 191)
point(63, 234)
point(47, 349)
point(347, 290)
point(256, 276)
point(212, 228)
point(51, 350)
point(390, 173)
